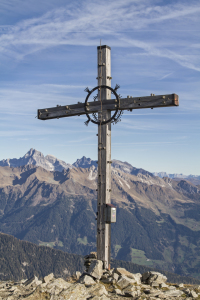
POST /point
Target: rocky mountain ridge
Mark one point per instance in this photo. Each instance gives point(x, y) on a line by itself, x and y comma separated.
point(51, 163)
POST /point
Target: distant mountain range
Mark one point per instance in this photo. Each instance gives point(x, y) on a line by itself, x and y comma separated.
point(51, 163)
point(173, 176)
point(158, 219)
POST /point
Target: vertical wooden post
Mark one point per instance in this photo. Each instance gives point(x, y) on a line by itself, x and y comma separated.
point(104, 158)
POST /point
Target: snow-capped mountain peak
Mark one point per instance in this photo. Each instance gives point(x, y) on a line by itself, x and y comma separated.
point(35, 157)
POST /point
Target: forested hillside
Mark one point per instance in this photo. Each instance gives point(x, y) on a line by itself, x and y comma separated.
point(21, 260)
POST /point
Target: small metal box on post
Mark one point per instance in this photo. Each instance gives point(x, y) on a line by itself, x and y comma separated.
point(110, 213)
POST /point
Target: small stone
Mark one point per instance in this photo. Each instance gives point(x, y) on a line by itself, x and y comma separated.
point(145, 276)
point(124, 281)
point(193, 294)
point(96, 269)
point(129, 288)
point(181, 285)
point(155, 284)
point(87, 280)
point(130, 291)
point(110, 272)
point(107, 280)
point(118, 292)
point(48, 278)
point(76, 291)
point(104, 276)
point(173, 293)
point(115, 276)
point(171, 287)
point(97, 290)
point(151, 276)
point(59, 283)
point(146, 291)
point(78, 275)
point(163, 285)
point(32, 281)
point(133, 294)
point(121, 271)
point(145, 286)
point(187, 291)
point(23, 280)
point(155, 292)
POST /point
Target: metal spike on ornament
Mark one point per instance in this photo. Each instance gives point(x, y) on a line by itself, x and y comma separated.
point(95, 97)
point(117, 87)
point(118, 117)
point(87, 90)
point(87, 122)
point(95, 116)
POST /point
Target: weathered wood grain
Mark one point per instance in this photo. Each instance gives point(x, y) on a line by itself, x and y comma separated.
point(95, 106)
point(104, 155)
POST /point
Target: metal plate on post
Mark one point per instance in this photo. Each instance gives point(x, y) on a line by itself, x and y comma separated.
point(110, 213)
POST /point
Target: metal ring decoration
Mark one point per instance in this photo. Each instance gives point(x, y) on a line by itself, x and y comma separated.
point(117, 104)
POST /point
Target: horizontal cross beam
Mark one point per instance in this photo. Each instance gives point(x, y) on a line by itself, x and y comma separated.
point(97, 106)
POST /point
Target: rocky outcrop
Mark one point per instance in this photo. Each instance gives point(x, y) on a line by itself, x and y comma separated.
point(106, 284)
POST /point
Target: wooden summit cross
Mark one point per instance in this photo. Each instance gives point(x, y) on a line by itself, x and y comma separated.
point(103, 105)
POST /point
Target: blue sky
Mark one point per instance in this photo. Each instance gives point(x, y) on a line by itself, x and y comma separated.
point(48, 55)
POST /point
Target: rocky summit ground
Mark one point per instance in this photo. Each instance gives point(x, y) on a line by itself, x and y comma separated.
point(98, 284)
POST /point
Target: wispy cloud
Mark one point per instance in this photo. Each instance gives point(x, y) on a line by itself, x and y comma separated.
point(84, 23)
point(189, 61)
point(165, 76)
point(26, 99)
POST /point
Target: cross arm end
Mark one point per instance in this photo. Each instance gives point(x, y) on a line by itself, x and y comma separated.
point(175, 99)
